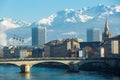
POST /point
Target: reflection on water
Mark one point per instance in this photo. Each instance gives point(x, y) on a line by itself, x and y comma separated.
point(39, 73)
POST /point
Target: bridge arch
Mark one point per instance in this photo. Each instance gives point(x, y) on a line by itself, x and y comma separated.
point(52, 62)
point(9, 67)
point(94, 64)
point(92, 61)
point(12, 64)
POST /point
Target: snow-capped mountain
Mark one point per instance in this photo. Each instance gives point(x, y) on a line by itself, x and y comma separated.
point(73, 23)
point(8, 23)
point(67, 23)
point(9, 28)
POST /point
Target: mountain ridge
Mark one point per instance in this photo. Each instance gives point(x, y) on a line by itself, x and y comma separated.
point(68, 23)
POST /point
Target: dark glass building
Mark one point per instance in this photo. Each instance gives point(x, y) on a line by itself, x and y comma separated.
point(38, 36)
point(93, 35)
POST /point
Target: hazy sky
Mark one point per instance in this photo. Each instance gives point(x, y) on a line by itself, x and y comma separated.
point(33, 10)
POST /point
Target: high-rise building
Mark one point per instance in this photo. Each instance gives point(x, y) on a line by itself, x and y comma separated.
point(106, 34)
point(38, 36)
point(93, 35)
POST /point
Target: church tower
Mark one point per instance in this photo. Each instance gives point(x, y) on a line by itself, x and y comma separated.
point(106, 34)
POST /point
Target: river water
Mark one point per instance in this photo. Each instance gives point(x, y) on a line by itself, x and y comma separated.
point(39, 73)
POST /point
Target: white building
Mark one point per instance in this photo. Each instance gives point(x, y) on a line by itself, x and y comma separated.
point(102, 54)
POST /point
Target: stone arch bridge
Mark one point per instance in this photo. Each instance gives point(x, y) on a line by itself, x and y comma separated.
point(73, 63)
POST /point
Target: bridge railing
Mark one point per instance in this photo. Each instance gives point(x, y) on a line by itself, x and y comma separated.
point(54, 58)
point(45, 58)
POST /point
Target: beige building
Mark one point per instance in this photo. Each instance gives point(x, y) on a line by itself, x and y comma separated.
point(115, 46)
point(61, 48)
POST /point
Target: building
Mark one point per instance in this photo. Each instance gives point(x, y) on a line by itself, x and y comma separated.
point(93, 35)
point(112, 46)
point(38, 36)
point(110, 43)
point(37, 52)
point(82, 54)
point(106, 42)
point(93, 48)
point(17, 52)
point(79, 39)
point(63, 48)
point(7, 52)
point(23, 53)
point(1, 53)
point(106, 34)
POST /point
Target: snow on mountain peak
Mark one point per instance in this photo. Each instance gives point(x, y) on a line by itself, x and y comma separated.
point(46, 21)
point(72, 20)
point(67, 11)
point(117, 8)
point(7, 23)
point(84, 18)
point(104, 14)
point(83, 15)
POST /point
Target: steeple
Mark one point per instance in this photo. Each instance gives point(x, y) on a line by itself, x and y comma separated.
point(106, 26)
point(106, 33)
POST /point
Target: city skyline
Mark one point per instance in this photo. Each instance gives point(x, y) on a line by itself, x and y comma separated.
point(64, 21)
point(59, 39)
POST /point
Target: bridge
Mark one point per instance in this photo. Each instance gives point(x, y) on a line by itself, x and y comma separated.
point(73, 64)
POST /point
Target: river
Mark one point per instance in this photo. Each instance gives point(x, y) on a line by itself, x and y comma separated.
point(11, 72)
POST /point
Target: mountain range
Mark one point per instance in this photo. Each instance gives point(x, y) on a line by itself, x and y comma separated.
point(68, 23)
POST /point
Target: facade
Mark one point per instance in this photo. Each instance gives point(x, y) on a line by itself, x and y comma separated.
point(37, 52)
point(23, 53)
point(82, 54)
point(93, 48)
point(93, 35)
point(17, 52)
point(7, 52)
point(38, 36)
point(1, 53)
point(61, 48)
point(112, 46)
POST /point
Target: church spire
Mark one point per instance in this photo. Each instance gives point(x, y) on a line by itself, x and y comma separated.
point(106, 33)
point(106, 26)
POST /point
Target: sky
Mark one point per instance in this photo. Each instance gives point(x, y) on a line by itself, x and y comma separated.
point(33, 10)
